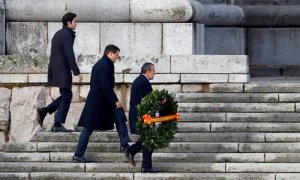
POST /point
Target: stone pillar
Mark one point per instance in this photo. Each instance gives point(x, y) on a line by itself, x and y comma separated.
point(2, 27)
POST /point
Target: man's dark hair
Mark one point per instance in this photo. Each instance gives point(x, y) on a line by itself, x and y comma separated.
point(111, 48)
point(146, 67)
point(68, 18)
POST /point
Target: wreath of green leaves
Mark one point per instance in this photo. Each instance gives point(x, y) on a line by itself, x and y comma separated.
point(157, 135)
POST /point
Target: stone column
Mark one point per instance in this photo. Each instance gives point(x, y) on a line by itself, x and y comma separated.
point(2, 27)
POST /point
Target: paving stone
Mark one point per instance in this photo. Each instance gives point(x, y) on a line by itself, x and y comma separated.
point(79, 175)
point(14, 176)
point(282, 157)
point(282, 137)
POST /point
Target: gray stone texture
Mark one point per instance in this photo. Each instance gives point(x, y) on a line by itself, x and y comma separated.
point(255, 127)
point(100, 11)
point(273, 47)
point(271, 16)
point(225, 40)
point(216, 1)
point(282, 157)
point(269, 147)
point(222, 15)
point(266, 2)
point(4, 119)
point(264, 117)
point(20, 147)
point(183, 38)
point(80, 175)
point(210, 64)
point(225, 87)
point(160, 11)
point(5, 98)
point(14, 176)
point(2, 27)
point(24, 157)
point(26, 38)
point(262, 167)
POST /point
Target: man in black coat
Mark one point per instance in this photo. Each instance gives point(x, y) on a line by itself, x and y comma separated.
point(102, 108)
point(140, 88)
point(62, 64)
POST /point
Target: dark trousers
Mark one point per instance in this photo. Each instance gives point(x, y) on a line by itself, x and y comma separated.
point(120, 120)
point(146, 153)
point(132, 121)
point(61, 105)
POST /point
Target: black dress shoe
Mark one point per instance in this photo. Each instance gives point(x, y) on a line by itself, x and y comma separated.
point(61, 129)
point(41, 115)
point(79, 159)
point(129, 157)
point(123, 147)
point(149, 170)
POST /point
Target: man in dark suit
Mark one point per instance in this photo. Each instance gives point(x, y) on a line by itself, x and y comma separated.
point(140, 88)
point(62, 64)
point(102, 108)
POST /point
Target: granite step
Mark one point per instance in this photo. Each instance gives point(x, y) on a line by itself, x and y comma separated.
point(179, 137)
point(117, 157)
point(143, 176)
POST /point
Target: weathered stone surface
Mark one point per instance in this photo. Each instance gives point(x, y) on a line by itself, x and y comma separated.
point(83, 92)
point(133, 39)
point(100, 11)
point(223, 15)
point(271, 16)
point(83, 175)
point(204, 78)
point(132, 64)
point(282, 157)
point(274, 47)
point(216, 1)
point(193, 127)
point(160, 11)
point(183, 38)
point(24, 157)
point(158, 78)
point(14, 176)
point(264, 117)
point(37, 78)
point(26, 38)
point(226, 88)
point(171, 88)
point(204, 176)
point(239, 78)
point(236, 107)
point(87, 37)
point(2, 27)
point(20, 147)
point(282, 137)
point(4, 119)
point(192, 88)
point(2, 139)
point(41, 167)
point(35, 10)
point(270, 147)
point(165, 167)
point(13, 78)
point(266, 2)
point(287, 176)
point(262, 167)
point(202, 117)
point(5, 97)
point(225, 40)
point(255, 127)
point(210, 64)
point(226, 97)
point(269, 86)
point(23, 112)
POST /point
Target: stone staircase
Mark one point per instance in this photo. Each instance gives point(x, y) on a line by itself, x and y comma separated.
point(252, 134)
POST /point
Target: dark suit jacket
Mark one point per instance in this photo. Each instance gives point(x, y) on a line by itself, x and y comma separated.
point(139, 89)
point(62, 59)
point(97, 113)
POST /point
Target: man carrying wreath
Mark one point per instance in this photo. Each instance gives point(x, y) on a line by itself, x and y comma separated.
point(140, 88)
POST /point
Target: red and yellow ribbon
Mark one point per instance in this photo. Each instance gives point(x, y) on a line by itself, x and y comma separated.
point(148, 119)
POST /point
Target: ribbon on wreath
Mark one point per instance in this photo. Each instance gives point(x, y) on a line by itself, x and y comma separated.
point(148, 119)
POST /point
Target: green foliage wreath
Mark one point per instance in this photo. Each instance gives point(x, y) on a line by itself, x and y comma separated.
point(157, 135)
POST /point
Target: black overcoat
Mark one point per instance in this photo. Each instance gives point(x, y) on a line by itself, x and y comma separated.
point(97, 113)
point(139, 89)
point(62, 59)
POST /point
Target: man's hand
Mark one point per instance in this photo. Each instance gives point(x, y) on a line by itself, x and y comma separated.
point(118, 104)
point(79, 78)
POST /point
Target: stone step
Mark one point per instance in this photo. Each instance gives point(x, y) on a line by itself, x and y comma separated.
point(269, 147)
point(163, 167)
point(228, 97)
point(237, 107)
point(271, 85)
point(179, 137)
point(176, 147)
point(143, 176)
point(117, 157)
